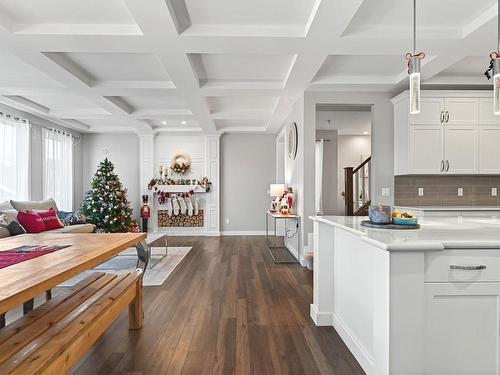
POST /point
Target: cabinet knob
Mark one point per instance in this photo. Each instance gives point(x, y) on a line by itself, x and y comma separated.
point(447, 165)
point(442, 165)
point(441, 117)
point(447, 116)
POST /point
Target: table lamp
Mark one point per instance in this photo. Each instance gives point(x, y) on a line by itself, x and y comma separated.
point(276, 190)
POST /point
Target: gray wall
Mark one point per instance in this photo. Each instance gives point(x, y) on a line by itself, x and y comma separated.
point(301, 171)
point(248, 167)
point(123, 153)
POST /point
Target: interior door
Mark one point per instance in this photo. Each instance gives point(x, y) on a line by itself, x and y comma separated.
point(461, 328)
point(426, 151)
point(461, 149)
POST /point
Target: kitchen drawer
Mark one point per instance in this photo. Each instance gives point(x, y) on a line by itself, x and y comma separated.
point(437, 266)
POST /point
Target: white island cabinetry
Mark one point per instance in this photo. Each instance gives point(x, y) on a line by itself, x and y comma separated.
point(425, 301)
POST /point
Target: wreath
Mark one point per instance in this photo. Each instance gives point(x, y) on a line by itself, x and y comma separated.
point(180, 162)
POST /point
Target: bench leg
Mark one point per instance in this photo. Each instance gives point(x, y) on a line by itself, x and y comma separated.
point(135, 309)
point(28, 306)
point(2, 320)
point(48, 294)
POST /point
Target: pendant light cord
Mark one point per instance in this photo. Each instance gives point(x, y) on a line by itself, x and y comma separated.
point(415, 27)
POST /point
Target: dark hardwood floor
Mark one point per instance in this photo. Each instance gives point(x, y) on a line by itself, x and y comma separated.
point(227, 309)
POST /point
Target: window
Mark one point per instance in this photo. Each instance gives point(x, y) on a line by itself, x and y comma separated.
point(58, 167)
point(14, 159)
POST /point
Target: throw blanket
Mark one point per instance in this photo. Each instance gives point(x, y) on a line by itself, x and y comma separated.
point(23, 253)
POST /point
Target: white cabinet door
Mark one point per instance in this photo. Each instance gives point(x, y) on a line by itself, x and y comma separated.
point(486, 115)
point(461, 111)
point(461, 328)
point(431, 110)
point(426, 151)
point(489, 149)
point(461, 149)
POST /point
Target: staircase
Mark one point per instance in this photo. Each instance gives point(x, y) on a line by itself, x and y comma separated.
point(357, 189)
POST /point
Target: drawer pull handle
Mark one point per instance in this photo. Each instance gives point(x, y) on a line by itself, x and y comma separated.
point(468, 268)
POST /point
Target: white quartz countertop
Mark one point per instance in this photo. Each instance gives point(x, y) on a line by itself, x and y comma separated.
point(448, 208)
point(435, 233)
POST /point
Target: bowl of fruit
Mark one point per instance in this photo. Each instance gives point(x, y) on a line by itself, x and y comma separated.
point(404, 218)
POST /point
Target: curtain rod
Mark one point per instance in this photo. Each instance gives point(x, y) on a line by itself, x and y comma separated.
point(40, 126)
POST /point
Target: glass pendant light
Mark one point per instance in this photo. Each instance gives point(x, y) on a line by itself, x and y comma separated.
point(414, 63)
point(495, 61)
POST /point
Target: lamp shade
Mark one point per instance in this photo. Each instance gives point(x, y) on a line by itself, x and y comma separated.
point(276, 189)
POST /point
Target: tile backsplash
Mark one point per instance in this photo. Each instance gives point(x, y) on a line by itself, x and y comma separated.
point(443, 190)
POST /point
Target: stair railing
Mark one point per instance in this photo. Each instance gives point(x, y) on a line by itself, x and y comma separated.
point(357, 188)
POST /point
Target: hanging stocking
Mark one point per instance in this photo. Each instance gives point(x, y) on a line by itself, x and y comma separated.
point(182, 204)
point(175, 205)
point(196, 206)
point(169, 207)
point(189, 205)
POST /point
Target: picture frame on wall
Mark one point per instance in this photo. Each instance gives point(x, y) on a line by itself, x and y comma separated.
point(292, 141)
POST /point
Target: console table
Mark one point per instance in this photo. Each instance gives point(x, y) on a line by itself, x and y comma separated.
point(289, 233)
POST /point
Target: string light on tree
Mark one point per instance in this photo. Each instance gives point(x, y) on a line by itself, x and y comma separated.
point(105, 204)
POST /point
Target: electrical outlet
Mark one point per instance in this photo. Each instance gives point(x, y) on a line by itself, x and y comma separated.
point(494, 192)
point(385, 192)
point(227, 221)
point(420, 192)
point(460, 192)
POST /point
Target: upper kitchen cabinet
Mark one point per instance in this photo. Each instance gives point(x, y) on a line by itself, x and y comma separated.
point(431, 112)
point(486, 116)
point(454, 142)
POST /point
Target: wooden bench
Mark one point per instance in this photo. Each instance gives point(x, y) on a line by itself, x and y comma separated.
point(53, 337)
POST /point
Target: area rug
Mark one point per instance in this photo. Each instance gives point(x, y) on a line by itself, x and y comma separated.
point(160, 266)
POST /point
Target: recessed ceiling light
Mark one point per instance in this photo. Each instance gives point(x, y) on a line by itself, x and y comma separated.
point(365, 133)
point(164, 122)
point(183, 122)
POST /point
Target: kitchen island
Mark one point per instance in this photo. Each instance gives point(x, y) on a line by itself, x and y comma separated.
point(423, 301)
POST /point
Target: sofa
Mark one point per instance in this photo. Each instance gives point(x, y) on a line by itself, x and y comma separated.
point(11, 208)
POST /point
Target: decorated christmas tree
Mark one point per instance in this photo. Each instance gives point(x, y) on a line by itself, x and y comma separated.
point(105, 204)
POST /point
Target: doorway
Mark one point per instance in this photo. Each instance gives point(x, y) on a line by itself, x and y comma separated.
point(343, 140)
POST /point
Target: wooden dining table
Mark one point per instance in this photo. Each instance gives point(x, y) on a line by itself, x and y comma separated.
point(22, 281)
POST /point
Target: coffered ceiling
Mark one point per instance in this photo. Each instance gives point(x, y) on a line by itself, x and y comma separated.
point(224, 65)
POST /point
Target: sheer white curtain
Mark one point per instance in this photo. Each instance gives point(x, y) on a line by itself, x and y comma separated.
point(58, 167)
point(319, 177)
point(14, 158)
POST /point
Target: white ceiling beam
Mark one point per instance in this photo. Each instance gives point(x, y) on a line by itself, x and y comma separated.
point(157, 23)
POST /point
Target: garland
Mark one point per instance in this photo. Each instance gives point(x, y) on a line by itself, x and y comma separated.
point(156, 182)
point(180, 162)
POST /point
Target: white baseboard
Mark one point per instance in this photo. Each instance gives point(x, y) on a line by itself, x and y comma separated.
point(356, 347)
point(245, 233)
point(320, 319)
point(188, 233)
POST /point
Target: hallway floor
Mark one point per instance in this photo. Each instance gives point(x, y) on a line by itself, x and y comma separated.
point(227, 309)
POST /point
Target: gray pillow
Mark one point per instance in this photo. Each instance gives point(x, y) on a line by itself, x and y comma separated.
point(11, 214)
point(34, 205)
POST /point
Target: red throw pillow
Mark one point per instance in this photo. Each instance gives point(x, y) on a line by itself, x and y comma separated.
point(31, 221)
point(50, 219)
